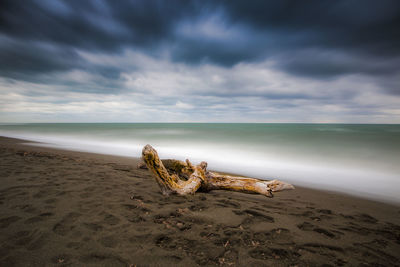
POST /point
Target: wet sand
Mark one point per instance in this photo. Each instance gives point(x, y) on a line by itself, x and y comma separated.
point(63, 208)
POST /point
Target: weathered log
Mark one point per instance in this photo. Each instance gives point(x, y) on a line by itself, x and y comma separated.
point(175, 176)
point(171, 183)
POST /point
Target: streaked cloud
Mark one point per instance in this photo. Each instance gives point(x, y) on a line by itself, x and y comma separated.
point(262, 61)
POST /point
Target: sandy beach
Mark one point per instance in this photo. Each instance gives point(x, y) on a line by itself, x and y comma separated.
point(64, 208)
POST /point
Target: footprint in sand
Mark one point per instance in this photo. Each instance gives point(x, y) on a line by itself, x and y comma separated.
point(165, 242)
point(142, 238)
point(85, 195)
point(228, 204)
point(5, 222)
point(200, 252)
point(321, 248)
point(325, 211)
point(264, 253)
point(111, 219)
point(74, 245)
point(32, 240)
point(97, 259)
point(93, 227)
point(276, 236)
point(50, 201)
point(66, 224)
point(198, 207)
point(40, 194)
point(365, 218)
point(109, 241)
point(306, 226)
point(135, 218)
point(253, 215)
point(41, 217)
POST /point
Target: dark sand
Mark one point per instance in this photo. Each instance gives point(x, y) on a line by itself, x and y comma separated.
point(61, 208)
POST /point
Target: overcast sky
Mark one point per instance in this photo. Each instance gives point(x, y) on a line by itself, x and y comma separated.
point(200, 61)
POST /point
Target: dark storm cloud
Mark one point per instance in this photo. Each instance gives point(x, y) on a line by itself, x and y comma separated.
point(319, 39)
point(316, 38)
point(43, 36)
point(24, 60)
point(99, 25)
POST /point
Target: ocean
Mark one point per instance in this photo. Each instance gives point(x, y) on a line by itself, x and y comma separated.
point(357, 159)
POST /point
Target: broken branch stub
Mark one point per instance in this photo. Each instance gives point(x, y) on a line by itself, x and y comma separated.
point(174, 176)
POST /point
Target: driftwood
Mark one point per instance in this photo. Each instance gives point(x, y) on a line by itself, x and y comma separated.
point(175, 176)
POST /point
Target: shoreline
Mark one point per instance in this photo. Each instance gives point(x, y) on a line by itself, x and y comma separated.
point(360, 168)
point(76, 208)
point(43, 147)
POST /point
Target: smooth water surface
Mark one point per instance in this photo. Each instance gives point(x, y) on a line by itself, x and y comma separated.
point(354, 158)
